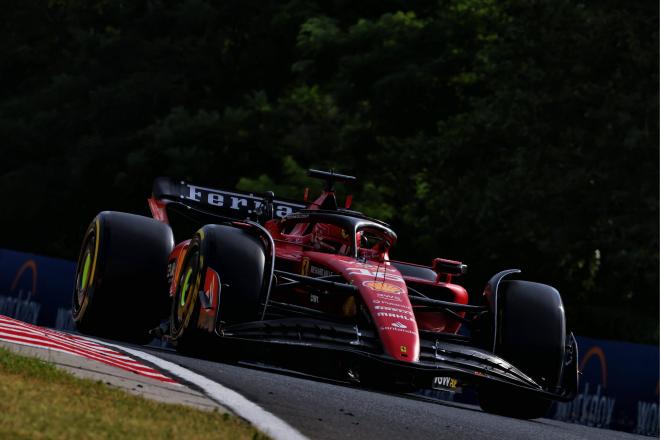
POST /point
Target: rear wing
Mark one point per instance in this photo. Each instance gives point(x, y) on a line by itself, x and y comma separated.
point(237, 205)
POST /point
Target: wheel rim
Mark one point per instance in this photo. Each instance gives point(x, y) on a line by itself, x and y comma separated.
point(186, 286)
point(82, 285)
point(184, 298)
point(84, 272)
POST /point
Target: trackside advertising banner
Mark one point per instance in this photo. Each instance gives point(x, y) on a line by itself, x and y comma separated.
point(36, 289)
point(619, 385)
point(618, 388)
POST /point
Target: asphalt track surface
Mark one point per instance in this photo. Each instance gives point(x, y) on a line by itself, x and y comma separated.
point(328, 410)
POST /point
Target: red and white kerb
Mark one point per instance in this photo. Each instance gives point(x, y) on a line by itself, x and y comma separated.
point(18, 332)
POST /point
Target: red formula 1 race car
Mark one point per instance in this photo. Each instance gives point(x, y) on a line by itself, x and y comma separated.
point(312, 281)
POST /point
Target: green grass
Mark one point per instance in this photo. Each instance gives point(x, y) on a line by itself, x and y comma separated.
point(38, 401)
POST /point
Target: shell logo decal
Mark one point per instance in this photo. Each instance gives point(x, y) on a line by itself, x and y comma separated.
point(381, 286)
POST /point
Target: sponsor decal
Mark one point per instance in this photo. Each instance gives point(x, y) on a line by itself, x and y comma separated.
point(382, 286)
point(319, 271)
point(399, 325)
point(21, 307)
point(404, 349)
point(393, 315)
point(377, 273)
point(246, 203)
point(647, 418)
point(589, 409)
point(32, 265)
point(314, 298)
point(304, 269)
point(393, 309)
point(387, 303)
point(398, 329)
point(389, 297)
point(297, 216)
point(444, 383)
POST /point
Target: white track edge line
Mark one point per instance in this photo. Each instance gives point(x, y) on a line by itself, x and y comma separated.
point(265, 421)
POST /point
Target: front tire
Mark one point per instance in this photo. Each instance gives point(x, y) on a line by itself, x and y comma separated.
point(532, 337)
point(238, 258)
point(121, 282)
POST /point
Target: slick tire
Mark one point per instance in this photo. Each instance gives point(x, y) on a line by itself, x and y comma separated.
point(121, 289)
point(238, 258)
point(532, 337)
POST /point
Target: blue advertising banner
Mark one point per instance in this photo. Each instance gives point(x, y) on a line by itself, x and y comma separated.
point(36, 289)
point(619, 387)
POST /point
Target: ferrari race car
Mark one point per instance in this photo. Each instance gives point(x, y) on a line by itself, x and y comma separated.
point(214, 271)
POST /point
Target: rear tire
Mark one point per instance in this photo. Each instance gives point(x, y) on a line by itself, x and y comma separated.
point(121, 277)
point(239, 260)
point(532, 337)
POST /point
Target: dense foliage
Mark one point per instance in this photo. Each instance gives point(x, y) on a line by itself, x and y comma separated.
point(502, 133)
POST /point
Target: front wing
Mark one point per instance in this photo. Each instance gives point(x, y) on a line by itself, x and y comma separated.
point(296, 339)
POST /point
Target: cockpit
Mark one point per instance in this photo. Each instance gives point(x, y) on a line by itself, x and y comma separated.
point(339, 234)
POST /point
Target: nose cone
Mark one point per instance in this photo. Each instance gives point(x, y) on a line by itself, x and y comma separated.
point(399, 337)
point(384, 292)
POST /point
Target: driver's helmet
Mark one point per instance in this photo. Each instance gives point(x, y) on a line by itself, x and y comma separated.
point(331, 238)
